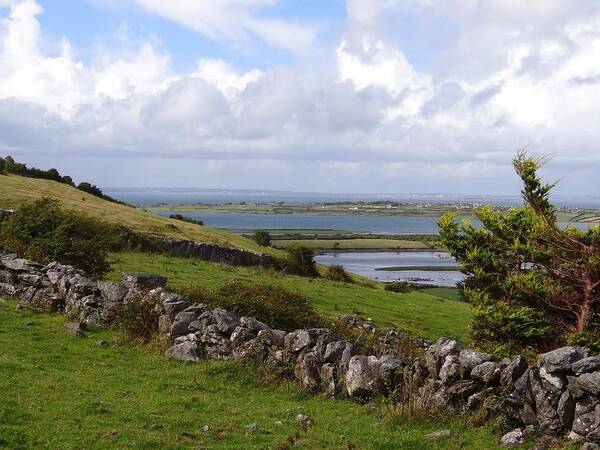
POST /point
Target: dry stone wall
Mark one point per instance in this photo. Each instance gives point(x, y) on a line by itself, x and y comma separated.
point(217, 253)
point(559, 395)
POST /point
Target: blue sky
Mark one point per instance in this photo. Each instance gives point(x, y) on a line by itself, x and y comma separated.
point(318, 95)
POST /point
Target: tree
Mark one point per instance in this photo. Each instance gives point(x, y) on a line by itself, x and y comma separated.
point(300, 261)
point(90, 189)
point(262, 238)
point(532, 284)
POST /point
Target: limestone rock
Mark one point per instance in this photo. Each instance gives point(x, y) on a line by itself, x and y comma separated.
point(513, 438)
point(468, 359)
point(144, 281)
point(185, 351)
point(585, 365)
point(307, 371)
point(181, 324)
point(362, 377)
point(487, 372)
point(435, 355)
point(561, 359)
point(585, 383)
point(515, 368)
point(450, 370)
point(225, 321)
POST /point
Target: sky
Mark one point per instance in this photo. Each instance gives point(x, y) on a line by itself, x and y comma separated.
point(370, 96)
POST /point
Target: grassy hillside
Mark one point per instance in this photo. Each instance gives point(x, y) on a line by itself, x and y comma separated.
point(14, 190)
point(427, 315)
point(60, 391)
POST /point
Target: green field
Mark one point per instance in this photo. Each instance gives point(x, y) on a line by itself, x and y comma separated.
point(465, 211)
point(60, 391)
point(422, 313)
point(14, 190)
point(353, 244)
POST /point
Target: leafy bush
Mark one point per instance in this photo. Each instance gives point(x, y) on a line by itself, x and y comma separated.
point(300, 261)
point(338, 273)
point(262, 238)
point(274, 305)
point(44, 232)
point(532, 284)
point(399, 287)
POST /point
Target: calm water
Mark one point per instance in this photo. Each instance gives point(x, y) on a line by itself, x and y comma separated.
point(365, 263)
point(361, 224)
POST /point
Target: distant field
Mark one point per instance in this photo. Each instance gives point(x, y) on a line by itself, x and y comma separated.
point(352, 244)
point(14, 190)
point(362, 209)
point(424, 314)
point(61, 391)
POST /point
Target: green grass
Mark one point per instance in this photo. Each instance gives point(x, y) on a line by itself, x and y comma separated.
point(60, 391)
point(422, 313)
point(15, 190)
point(353, 244)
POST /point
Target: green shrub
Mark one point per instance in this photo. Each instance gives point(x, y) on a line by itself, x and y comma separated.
point(44, 232)
point(300, 261)
point(262, 238)
point(338, 273)
point(399, 287)
point(274, 305)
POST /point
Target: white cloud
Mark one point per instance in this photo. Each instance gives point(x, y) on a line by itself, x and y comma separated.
point(375, 121)
point(237, 21)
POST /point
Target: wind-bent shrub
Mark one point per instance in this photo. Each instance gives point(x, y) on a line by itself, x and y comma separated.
point(300, 261)
point(274, 305)
point(532, 284)
point(44, 232)
point(262, 238)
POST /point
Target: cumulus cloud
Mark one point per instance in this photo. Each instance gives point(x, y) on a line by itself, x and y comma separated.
point(372, 121)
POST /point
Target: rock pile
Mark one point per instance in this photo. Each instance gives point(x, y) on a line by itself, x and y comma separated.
point(559, 395)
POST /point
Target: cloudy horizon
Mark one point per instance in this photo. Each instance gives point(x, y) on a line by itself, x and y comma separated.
point(370, 96)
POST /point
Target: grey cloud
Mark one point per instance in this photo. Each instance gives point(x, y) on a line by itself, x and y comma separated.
point(586, 79)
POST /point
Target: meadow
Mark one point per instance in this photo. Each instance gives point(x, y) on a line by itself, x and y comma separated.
point(68, 392)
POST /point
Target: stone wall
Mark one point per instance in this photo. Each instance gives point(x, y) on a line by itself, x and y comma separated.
point(216, 253)
point(559, 395)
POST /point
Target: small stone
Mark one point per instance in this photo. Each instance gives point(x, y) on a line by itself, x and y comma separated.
point(156, 426)
point(438, 434)
point(513, 438)
point(278, 423)
point(304, 420)
point(590, 446)
point(103, 344)
point(75, 329)
point(205, 428)
point(251, 426)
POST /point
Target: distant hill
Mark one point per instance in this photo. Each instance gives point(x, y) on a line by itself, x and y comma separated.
point(14, 190)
